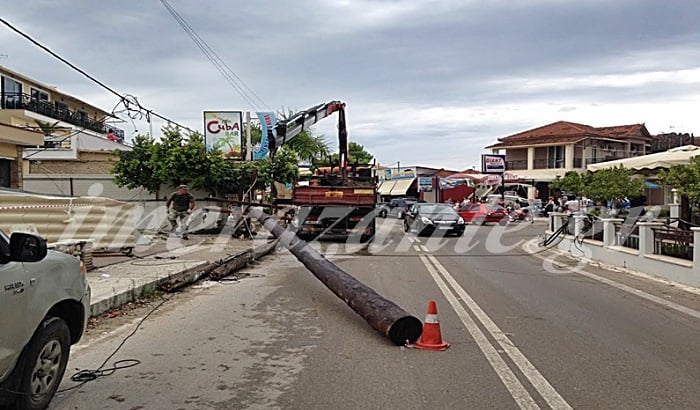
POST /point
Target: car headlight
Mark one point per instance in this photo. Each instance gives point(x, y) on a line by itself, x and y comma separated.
point(426, 220)
point(460, 221)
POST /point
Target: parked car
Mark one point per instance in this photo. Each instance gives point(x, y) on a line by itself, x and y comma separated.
point(481, 213)
point(397, 207)
point(45, 305)
point(426, 218)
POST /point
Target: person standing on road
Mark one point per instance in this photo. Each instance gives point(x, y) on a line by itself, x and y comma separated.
point(179, 206)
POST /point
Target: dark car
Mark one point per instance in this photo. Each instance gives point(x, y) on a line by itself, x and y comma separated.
point(425, 219)
point(397, 207)
point(480, 213)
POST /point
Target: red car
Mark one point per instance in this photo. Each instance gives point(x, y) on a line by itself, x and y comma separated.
point(484, 213)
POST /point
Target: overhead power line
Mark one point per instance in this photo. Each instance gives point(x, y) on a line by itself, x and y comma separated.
point(122, 98)
point(250, 97)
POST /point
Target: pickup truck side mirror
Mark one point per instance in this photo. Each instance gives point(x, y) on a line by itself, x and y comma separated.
point(25, 247)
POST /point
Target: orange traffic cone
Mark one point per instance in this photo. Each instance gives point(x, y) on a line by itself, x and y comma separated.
point(431, 339)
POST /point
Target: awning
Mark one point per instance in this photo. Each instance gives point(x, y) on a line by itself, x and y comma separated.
point(385, 187)
point(402, 186)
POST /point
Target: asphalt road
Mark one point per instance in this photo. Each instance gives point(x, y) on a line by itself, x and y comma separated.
point(529, 328)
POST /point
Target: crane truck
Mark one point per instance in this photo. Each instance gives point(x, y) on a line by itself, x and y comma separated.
point(339, 202)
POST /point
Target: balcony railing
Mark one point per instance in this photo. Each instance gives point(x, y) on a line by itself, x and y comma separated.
point(18, 101)
point(606, 158)
point(548, 163)
point(516, 165)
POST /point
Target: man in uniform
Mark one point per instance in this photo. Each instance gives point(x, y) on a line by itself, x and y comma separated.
point(179, 206)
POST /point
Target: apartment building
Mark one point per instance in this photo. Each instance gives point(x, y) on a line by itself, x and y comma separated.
point(72, 143)
point(541, 154)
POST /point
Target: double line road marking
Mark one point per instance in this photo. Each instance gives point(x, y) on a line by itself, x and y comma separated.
point(460, 302)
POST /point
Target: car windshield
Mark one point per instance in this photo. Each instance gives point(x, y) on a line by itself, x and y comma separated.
point(436, 209)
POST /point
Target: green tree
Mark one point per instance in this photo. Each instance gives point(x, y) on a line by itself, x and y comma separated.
point(47, 128)
point(571, 182)
point(175, 159)
point(610, 183)
point(138, 168)
point(356, 155)
point(685, 178)
point(600, 186)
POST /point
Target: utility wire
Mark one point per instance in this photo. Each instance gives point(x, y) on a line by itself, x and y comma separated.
point(231, 77)
point(93, 79)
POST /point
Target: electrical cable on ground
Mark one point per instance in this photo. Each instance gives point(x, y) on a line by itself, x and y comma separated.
point(85, 376)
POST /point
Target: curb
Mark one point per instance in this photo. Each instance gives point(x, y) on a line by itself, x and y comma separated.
point(188, 272)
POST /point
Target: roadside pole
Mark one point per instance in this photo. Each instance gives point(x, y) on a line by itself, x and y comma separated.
point(382, 314)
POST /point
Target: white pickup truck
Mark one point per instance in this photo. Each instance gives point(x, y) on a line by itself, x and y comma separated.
point(44, 307)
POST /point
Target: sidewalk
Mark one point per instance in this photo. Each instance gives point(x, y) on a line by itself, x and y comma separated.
point(119, 279)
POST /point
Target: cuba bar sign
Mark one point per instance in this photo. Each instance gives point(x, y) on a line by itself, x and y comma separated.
point(222, 131)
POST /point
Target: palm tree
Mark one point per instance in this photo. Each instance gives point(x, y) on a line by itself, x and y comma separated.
point(46, 127)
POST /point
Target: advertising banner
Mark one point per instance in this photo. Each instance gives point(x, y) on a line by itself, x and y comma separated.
point(425, 184)
point(493, 164)
point(268, 122)
point(222, 130)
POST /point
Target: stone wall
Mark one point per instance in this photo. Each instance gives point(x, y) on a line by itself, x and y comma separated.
point(79, 167)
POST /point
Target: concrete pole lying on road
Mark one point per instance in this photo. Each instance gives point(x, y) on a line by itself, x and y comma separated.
point(382, 314)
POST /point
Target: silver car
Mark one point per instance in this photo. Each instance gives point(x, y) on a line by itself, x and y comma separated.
point(44, 308)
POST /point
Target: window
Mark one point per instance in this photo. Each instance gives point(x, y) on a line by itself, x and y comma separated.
point(11, 93)
point(38, 95)
point(61, 107)
point(81, 116)
point(555, 157)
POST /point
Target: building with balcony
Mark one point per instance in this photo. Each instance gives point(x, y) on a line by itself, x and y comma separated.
point(72, 150)
point(12, 142)
point(541, 154)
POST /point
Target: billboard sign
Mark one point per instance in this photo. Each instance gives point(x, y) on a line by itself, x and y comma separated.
point(493, 164)
point(425, 184)
point(222, 130)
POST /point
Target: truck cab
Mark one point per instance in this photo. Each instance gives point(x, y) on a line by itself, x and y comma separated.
point(45, 305)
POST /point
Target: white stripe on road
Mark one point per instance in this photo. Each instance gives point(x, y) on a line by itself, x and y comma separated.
point(675, 306)
point(424, 248)
point(516, 389)
point(539, 382)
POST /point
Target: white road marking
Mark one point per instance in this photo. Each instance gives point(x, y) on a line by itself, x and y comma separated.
point(424, 248)
point(510, 381)
point(553, 398)
point(675, 306)
point(416, 248)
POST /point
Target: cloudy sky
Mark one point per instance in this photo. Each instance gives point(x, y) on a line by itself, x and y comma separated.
point(426, 82)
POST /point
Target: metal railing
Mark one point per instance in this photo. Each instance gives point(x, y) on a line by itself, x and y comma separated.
point(20, 101)
point(675, 242)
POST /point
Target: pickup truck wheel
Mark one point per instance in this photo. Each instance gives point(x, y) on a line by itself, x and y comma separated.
point(382, 214)
point(42, 364)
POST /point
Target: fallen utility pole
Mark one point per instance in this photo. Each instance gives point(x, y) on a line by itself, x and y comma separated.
point(382, 314)
point(219, 269)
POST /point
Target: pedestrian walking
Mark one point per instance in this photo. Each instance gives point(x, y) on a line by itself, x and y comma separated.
point(180, 206)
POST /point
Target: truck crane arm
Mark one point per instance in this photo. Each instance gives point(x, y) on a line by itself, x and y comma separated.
point(303, 120)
